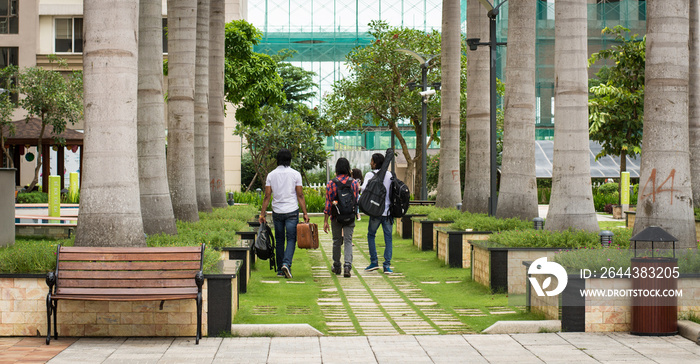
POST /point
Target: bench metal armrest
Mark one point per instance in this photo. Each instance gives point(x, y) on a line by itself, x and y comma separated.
point(199, 279)
point(51, 281)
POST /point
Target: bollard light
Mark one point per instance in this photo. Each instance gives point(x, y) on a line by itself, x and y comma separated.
point(606, 238)
point(539, 223)
point(459, 206)
point(230, 199)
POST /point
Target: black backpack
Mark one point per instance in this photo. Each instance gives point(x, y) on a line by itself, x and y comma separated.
point(265, 245)
point(344, 210)
point(400, 197)
point(373, 198)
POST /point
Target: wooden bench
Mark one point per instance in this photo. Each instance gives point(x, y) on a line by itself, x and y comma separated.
point(125, 274)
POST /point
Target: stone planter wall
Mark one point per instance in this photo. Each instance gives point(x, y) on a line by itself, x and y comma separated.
point(454, 247)
point(604, 314)
point(424, 235)
point(23, 311)
point(56, 231)
point(404, 226)
point(501, 268)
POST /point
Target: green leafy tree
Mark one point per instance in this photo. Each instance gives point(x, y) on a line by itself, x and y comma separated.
point(616, 104)
point(52, 98)
point(376, 92)
point(251, 79)
point(297, 83)
point(281, 129)
point(7, 107)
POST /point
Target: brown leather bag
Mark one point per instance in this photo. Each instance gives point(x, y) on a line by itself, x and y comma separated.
point(307, 236)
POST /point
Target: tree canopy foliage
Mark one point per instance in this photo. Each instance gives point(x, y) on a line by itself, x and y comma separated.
point(376, 90)
point(616, 104)
point(7, 107)
point(290, 124)
point(250, 78)
point(53, 98)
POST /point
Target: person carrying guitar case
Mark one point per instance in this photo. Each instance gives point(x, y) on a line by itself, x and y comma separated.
point(341, 206)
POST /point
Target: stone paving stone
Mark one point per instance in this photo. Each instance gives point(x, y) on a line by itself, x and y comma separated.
point(384, 348)
point(346, 350)
point(294, 350)
point(449, 349)
point(501, 348)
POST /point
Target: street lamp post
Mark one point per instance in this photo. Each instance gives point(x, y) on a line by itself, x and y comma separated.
point(473, 43)
point(425, 93)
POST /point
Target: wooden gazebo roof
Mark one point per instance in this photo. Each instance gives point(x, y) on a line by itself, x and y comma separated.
point(27, 133)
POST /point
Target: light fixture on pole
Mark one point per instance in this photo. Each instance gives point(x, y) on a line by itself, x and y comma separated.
point(425, 93)
point(473, 43)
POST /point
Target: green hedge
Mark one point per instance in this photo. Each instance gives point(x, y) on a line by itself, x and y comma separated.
point(216, 229)
point(570, 239)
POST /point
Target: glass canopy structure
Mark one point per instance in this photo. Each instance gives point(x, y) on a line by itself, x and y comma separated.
point(322, 32)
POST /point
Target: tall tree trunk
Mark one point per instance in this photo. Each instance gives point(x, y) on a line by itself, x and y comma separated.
point(449, 188)
point(478, 164)
point(110, 210)
point(571, 203)
point(694, 99)
point(156, 207)
point(216, 103)
point(665, 194)
point(201, 109)
point(39, 156)
point(182, 34)
point(518, 194)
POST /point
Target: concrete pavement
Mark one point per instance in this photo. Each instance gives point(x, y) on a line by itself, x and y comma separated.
point(580, 348)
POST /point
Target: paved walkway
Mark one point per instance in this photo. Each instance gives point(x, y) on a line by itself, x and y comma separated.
point(576, 348)
point(374, 303)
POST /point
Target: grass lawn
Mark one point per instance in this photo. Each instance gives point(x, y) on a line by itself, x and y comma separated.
point(289, 302)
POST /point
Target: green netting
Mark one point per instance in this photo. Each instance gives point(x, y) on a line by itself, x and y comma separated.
point(324, 31)
point(370, 140)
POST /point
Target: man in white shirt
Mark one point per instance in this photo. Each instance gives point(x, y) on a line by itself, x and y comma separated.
point(285, 183)
point(386, 220)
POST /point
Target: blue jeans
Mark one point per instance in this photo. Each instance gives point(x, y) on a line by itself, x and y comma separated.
point(386, 222)
point(285, 225)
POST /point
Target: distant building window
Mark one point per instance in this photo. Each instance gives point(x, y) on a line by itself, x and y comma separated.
point(69, 35)
point(642, 12)
point(9, 20)
point(545, 10)
point(9, 56)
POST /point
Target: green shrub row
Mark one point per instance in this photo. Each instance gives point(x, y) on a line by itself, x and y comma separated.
point(315, 199)
point(216, 229)
point(619, 258)
point(483, 222)
point(42, 197)
point(570, 239)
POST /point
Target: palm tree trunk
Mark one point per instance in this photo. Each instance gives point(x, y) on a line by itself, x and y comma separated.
point(518, 193)
point(449, 187)
point(694, 100)
point(156, 207)
point(665, 193)
point(110, 210)
point(216, 103)
point(476, 181)
point(201, 109)
point(182, 35)
point(571, 203)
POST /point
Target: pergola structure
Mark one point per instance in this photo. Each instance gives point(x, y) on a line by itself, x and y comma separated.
point(27, 134)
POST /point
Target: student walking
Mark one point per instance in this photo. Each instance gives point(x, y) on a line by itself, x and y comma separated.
point(285, 183)
point(341, 207)
point(385, 221)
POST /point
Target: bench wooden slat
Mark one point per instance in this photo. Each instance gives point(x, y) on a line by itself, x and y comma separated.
point(121, 266)
point(135, 293)
point(127, 283)
point(130, 256)
point(96, 274)
point(123, 298)
point(155, 250)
